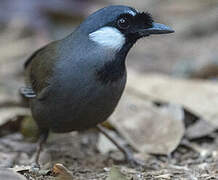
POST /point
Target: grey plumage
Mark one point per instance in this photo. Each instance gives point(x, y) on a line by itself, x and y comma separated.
point(68, 96)
point(75, 83)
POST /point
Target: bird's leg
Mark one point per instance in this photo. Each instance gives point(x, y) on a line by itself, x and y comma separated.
point(42, 139)
point(128, 155)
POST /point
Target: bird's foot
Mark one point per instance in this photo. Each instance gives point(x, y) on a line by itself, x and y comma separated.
point(35, 168)
point(133, 162)
point(137, 163)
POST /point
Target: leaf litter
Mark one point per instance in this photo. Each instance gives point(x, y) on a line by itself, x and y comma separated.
point(148, 128)
point(151, 103)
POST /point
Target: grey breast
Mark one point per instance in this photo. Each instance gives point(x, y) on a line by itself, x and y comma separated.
point(78, 100)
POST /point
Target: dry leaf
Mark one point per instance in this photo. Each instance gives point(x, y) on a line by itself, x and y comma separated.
point(61, 172)
point(7, 174)
point(21, 168)
point(199, 129)
point(149, 128)
point(198, 96)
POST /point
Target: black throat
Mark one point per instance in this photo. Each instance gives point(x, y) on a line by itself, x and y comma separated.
point(115, 69)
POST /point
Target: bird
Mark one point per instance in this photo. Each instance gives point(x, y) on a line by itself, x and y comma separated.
point(75, 83)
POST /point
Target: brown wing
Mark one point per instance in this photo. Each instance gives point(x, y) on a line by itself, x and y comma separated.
point(39, 69)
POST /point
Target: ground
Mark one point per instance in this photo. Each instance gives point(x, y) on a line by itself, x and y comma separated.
point(191, 52)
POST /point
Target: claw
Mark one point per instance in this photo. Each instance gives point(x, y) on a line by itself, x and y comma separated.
point(133, 161)
point(35, 168)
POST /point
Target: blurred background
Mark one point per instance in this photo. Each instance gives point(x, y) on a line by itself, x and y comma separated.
point(28, 25)
point(188, 54)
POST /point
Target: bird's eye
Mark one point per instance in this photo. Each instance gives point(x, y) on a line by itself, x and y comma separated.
point(123, 23)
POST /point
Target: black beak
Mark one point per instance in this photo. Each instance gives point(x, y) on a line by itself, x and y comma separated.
point(157, 29)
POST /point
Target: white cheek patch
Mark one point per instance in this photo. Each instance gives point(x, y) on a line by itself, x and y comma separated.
point(108, 37)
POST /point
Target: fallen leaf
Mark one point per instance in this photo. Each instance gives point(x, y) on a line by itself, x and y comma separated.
point(20, 169)
point(61, 172)
point(115, 174)
point(146, 127)
point(199, 129)
point(7, 174)
point(200, 97)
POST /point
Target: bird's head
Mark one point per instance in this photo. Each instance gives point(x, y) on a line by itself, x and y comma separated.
point(118, 27)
